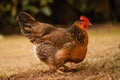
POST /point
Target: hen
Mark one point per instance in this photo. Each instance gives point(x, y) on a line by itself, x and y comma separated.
point(56, 46)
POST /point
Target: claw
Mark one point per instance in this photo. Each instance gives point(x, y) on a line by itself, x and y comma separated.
point(67, 69)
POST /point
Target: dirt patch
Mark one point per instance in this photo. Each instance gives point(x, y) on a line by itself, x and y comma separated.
point(101, 63)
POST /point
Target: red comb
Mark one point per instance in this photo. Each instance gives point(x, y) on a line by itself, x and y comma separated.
point(85, 19)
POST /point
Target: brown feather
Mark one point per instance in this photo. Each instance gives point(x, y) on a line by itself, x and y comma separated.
point(55, 46)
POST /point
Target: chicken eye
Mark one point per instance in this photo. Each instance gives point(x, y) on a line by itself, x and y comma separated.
point(82, 20)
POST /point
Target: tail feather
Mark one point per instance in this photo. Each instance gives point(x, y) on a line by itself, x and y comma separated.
point(25, 21)
point(32, 28)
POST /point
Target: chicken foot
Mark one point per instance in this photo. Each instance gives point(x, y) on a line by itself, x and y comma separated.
point(67, 69)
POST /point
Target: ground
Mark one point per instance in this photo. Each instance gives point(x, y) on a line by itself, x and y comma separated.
point(17, 61)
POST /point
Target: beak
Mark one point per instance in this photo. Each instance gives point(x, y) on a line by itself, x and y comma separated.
point(90, 24)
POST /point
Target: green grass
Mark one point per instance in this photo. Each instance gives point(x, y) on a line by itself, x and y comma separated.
point(102, 62)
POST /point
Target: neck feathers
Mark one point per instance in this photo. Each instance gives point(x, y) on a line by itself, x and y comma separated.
point(79, 35)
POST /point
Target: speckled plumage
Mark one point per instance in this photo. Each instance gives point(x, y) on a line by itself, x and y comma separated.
point(54, 46)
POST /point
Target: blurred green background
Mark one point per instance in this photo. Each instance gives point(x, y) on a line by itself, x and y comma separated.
point(60, 12)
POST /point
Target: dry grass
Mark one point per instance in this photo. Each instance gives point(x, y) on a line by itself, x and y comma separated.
point(102, 62)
